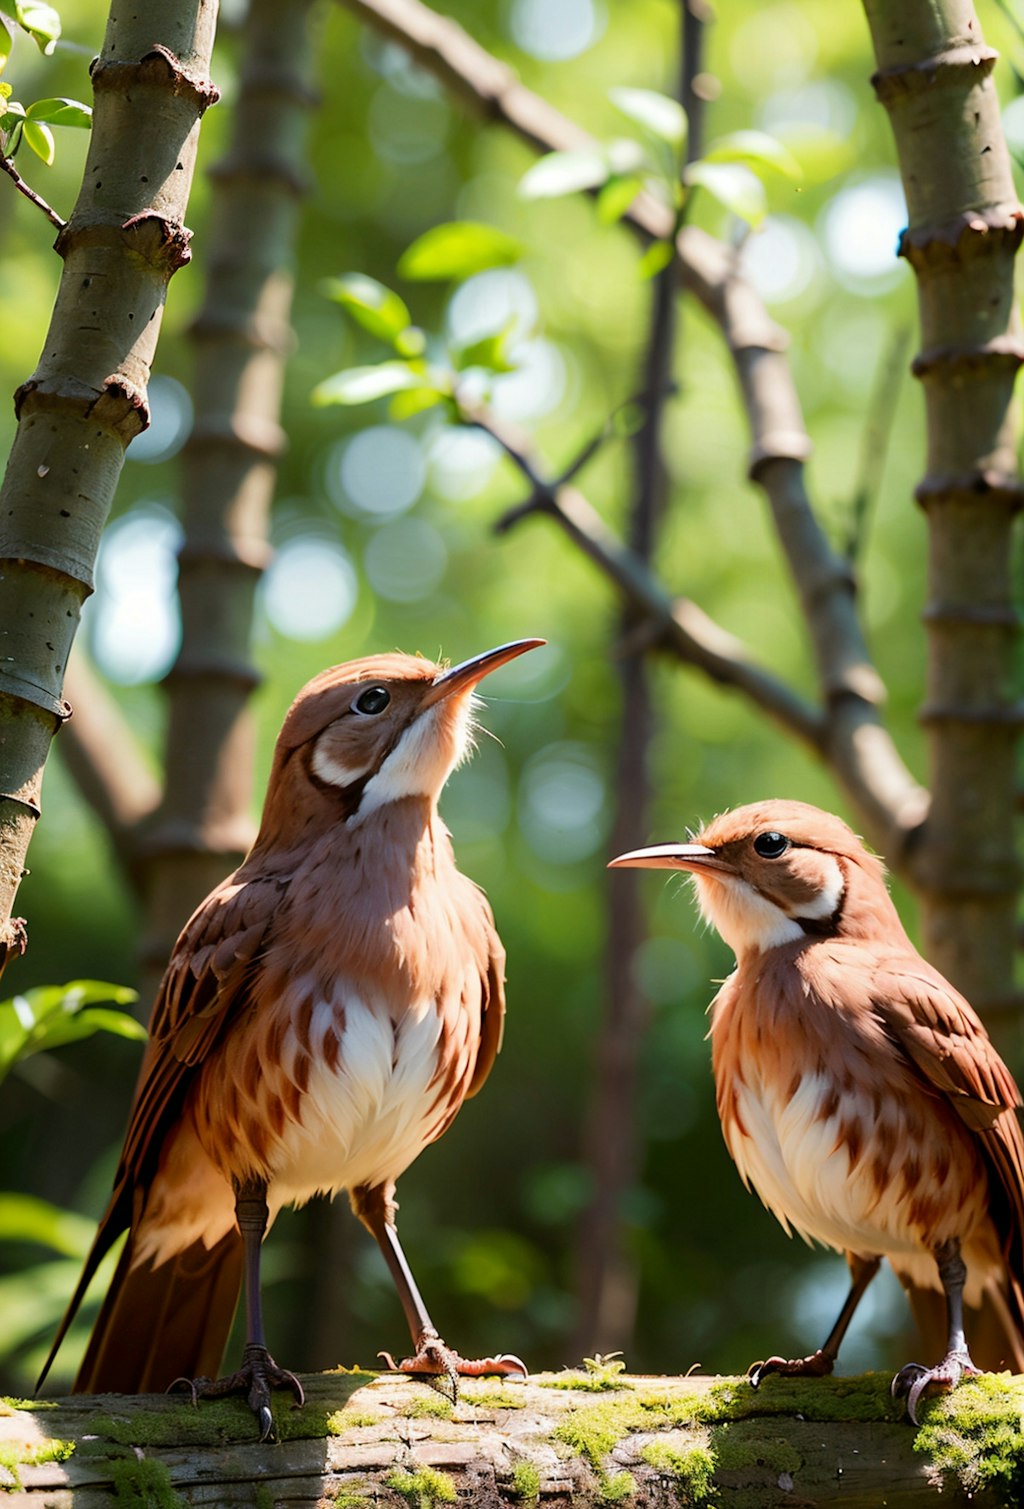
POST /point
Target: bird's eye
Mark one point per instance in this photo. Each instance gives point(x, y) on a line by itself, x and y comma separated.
point(374, 700)
point(770, 845)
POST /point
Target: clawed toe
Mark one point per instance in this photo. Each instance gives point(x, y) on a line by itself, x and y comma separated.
point(817, 1365)
point(257, 1376)
point(435, 1359)
point(915, 1382)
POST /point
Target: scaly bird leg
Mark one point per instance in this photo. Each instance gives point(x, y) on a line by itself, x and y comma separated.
point(914, 1380)
point(259, 1372)
point(375, 1207)
point(820, 1363)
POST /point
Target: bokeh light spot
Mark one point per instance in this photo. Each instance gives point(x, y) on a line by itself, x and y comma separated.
point(170, 421)
point(380, 471)
point(310, 588)
point(555, 33)
point(135, 622)
point(405, 561)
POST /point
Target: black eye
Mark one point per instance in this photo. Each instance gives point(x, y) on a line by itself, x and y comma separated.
point(374, 700)
point(770, 845)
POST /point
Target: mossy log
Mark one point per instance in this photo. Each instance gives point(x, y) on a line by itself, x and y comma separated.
point(577, 1438)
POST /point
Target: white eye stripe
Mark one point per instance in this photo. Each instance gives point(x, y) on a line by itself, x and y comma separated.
point(333, 771)
point(831, 894)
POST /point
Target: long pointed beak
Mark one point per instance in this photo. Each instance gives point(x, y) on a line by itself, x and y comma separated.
point(669, 857)
point(462, 678)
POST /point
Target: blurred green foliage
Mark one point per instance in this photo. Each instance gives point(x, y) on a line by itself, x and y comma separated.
point(402, 518)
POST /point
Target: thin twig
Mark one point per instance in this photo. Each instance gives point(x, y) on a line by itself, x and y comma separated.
point(7, 164)
point(855, 742)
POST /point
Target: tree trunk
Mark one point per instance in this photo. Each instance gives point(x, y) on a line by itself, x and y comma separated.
point(87, 398)
point(965, 223)
point(559, 1439)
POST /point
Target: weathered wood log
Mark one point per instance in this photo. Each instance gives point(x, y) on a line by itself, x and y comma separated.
point(575, 1438)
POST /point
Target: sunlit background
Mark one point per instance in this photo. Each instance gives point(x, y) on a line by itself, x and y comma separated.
point(383, 537)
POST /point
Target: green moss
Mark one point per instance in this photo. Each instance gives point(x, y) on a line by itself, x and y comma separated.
point(348, 1498)
point(341, 1420)
point(526, 1481)
point(14, 1456)
point(578, 1381)
point(143, 1483)
point(617, 1488)
point(492, 1398)
point(424, 1488)
point(976, 1435)
point(745, 1444)
point(428, 1406)
point(865, 1397)
point(262, 1497)
point(692, 1469)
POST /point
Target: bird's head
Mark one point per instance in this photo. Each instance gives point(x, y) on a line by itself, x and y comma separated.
point(778, 872)
point(376, 730)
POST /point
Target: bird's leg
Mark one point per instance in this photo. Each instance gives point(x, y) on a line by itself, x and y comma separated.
point(820, 1363)
point(375, 1207)
point(914, 1380)
point(259, 1372)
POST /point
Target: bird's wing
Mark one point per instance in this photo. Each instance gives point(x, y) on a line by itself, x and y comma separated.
point(206, 982)
point(472, 1009)
point(944, 1038)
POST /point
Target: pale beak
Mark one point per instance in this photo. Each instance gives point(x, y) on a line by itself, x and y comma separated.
point(462, 678)
point(669, 857)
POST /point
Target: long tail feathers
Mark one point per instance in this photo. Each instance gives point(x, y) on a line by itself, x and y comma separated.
point(158, 1324)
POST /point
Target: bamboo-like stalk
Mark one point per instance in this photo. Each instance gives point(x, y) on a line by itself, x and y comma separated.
point(242, 338)
point(965, 224)
point(87, 397)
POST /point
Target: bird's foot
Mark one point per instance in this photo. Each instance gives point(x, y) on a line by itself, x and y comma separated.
point(256, 1377)
point(915, 1382)
point(817, 1365)
point(435, 1359)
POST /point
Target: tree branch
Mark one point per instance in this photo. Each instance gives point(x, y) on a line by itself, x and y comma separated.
point(656, 1442)
point(7, 164)
point(850, 733)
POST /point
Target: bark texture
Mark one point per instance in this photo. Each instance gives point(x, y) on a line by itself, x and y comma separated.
point(87, 398)
point(965, 224)
point(559, 1440)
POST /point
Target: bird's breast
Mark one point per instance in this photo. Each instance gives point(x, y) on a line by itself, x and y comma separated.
point(328, 1092)
point(834, 1133)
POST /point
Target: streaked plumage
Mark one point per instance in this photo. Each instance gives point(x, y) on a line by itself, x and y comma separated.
point(324, 1015)
point(859, 1093)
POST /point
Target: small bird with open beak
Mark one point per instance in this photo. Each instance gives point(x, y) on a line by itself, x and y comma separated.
point(325, 1013)
point(859, 1093)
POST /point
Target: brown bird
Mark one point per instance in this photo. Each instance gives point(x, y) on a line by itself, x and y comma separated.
point(859, 1093)
point(325, 1013)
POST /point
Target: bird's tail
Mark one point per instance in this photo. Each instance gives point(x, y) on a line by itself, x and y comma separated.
point(162, 1322)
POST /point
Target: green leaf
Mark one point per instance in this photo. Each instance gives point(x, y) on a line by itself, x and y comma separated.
point(371, 304)
point(657, 256)
point(363, 384)
point(457, 249)
point(411, 341)
point(41, 22)
point(558, 173)
point(23, 1218)
point(663, 116)
point(40, 139)
point(758, 150)
point(616, 197)
point(733, 185)
point(490, 351)
point(60, 112)
point(415, 401)
point(50, 1015)
point(819, 153)
point(6, 41)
